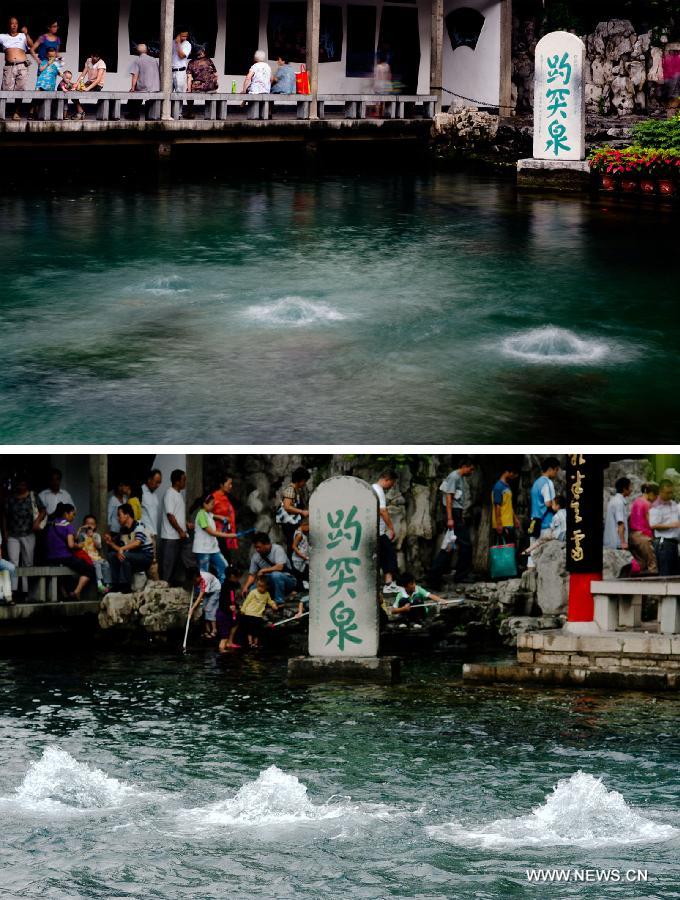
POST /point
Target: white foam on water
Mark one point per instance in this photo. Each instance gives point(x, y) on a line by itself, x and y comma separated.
point(166, 284)
point(276, 798)
point(579, 812)
point(557, 346)
point(294, 311)
point(57, 781)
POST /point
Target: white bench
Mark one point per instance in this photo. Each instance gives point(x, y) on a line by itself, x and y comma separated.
point(43, 574)
point(618, 604)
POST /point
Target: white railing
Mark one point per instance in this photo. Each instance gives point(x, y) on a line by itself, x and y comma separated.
point(112, 106)
point(618, 604)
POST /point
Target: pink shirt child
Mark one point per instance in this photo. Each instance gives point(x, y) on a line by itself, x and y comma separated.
point(639, 516)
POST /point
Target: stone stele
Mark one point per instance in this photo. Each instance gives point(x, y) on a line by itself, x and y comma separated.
point(559, 98)
point(343, 575)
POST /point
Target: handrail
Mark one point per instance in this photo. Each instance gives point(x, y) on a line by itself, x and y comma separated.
point(53, 105)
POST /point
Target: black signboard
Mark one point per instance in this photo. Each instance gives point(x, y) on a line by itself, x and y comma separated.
point(585, 484)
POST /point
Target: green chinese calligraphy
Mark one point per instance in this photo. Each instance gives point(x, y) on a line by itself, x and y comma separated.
point(342, 570)
point(558, 101)
point(559, 68)
point(345, 527)
point(343, 618)
point(558, 139)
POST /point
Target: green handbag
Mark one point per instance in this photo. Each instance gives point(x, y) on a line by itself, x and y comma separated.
point(503, 561)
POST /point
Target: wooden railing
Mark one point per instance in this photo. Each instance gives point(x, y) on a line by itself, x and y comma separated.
point(112, 106)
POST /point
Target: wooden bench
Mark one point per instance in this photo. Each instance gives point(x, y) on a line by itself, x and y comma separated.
point(257, 106)
point(395, 106)
point(618, 604)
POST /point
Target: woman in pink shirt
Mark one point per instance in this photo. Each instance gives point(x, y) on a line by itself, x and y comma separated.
point(641, 537)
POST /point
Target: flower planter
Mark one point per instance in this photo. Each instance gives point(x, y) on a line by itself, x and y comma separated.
point(647, 186)
point(667, 187)
point(629, 185)
point(608, 183)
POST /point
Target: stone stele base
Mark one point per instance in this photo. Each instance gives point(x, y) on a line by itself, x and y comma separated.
point(553, 175)
point(629, 660)
point(371, 669)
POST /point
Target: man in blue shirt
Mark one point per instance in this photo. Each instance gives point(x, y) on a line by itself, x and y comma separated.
point(542, 501)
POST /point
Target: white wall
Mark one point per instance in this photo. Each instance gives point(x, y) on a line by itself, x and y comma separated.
point(474, 73)
point(76, 480)
point(166, 462)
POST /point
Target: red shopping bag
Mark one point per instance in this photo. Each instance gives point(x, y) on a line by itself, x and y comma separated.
point(302, 81)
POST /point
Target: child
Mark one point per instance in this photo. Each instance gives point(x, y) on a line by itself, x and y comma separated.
point(91, 541)
point(227, 611)
point(409, 595)
point(49, 70)
point(252, 611)
point(558, 526)
point(65, 86)
point(300, 553)
point(7, 569)
point(209, 595)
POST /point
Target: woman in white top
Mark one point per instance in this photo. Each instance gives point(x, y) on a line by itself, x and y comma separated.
point(259, 77)
point(205, 546)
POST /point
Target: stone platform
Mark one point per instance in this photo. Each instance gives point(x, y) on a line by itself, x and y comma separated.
point(372, 670)
point(554, 175)
point(33, 619)
point(628, 660)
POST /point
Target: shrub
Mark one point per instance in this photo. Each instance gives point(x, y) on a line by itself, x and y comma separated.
point(662, 134)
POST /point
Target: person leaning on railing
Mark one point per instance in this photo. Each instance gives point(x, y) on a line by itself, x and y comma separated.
point(16, 44)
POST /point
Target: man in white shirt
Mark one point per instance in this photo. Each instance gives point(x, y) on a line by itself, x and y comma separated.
point(181, 51)
point(664, 519)
point(15, 44)
point(175, 541)
point(120, 495)
point(54, 494)
point(150, 504)
point(616, 517)
point(387, 554)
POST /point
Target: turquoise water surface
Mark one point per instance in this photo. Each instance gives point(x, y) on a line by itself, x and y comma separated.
point(373, 309)
point(204, 777)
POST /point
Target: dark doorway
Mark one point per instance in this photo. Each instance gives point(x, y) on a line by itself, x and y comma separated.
point(99, 32)
point(36, 15)
point(287, 31)
point(243, 35)
point(330, 34)
point(200, 20)
point(399, 44)
point(361, 22)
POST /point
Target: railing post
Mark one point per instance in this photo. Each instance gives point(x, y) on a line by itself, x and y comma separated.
point(167, 38)
point(436, 51)
point(313, 35)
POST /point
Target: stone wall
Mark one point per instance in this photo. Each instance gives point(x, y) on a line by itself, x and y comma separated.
point(624, 74)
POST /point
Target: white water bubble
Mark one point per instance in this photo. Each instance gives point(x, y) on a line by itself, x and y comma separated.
point(579, 812)
point(277, 798)
point(166, 284)
point(558, 346)
point(58, 781)
point(295, 311)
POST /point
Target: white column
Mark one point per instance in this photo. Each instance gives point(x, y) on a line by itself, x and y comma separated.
point(313, 34)
point(124, 43)
point(221, 43)
point(73, 52)
point(167, 37)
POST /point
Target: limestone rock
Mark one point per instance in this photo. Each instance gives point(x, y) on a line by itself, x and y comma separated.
point(515, 625)
point(119, 610)
point(655, 68)
point(615, 563)
point(420, 523)
point(552, 578)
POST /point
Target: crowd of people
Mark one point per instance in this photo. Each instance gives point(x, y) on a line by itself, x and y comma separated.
point(650, 529)
point(193, 71)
